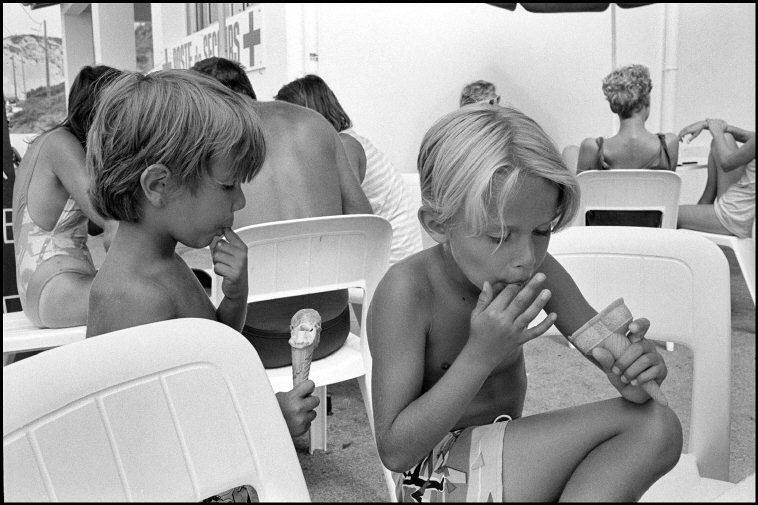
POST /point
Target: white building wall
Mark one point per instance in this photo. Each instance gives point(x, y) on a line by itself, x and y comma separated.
point(78, 47)
point(267, 81)
point(113, 35)
point(169, 26)
point(396, 68)
point(717, 63)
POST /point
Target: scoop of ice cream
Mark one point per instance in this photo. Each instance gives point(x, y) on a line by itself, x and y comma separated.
point(304, 328)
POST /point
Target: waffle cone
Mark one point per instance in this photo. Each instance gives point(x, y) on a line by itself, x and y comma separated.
point(608, 330)
point(301, 363)
point(305, 330)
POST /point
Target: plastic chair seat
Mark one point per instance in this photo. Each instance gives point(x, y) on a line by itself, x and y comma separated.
point(21, 335)
point(344, 364)
point(684, 484)
point(744, 251)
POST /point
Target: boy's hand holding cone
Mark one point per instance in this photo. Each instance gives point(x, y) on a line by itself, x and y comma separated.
point(305, 332)
point(608, 330)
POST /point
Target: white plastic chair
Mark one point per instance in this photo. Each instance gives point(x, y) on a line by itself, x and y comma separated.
point(412, 187)
point(178, 410)
point(288, 258)
point(630, 190)
point(680, 282)
point(744, 251)
point(21, 335)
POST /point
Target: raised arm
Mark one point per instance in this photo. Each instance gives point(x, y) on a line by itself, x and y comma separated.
point(567, 300)
point(739, 134)
point(573, 311)
point(65, 157)
point(672, 144)
point(726, 156)
point(693, 130)
point(410, 420)
point(230, 262)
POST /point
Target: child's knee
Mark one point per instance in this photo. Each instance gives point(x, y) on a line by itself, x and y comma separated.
point(663, 432)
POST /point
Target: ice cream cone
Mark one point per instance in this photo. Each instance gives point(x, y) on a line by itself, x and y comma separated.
point(608, 330)
point(305, 333)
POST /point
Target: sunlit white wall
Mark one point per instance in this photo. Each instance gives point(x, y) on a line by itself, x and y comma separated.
point(717, 63)
point(396, 68)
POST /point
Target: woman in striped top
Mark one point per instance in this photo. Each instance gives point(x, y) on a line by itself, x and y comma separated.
point(380, 180)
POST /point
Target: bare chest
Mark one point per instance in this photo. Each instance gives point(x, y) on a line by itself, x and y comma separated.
point(502, 393)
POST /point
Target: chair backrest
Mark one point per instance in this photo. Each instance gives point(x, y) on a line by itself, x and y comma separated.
point(656, 190)
point(680, 282)
point(301, 256)
point(177, 410)
point(311, 255)
point(412, 187)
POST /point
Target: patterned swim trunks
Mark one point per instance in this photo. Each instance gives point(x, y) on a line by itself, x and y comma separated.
point(466, 465)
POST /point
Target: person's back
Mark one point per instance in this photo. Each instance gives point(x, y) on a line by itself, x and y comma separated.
point(627, 90)
point(52, 214)
point(299, 179)
point(301, 156)
point(642, 150)
point(306, 173)
point(381, 182)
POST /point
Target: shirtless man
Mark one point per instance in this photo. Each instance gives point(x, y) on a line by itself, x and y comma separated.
point(306, 173)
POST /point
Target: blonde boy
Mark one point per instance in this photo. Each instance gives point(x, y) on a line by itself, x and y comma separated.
point(446, 328)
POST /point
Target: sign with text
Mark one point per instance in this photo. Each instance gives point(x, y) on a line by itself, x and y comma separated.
point(243, 42)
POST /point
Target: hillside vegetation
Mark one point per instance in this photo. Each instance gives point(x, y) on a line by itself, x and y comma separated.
point(39, 112)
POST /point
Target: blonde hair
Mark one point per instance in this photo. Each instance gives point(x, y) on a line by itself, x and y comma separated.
point(181, 119)
point(475, 158)
point(627, 89)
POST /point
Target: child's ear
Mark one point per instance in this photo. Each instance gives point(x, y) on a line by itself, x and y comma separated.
point(428, 219)
point(154, 181)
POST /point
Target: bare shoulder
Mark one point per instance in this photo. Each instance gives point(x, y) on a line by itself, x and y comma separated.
point(408, 285)
point(62, 149)
point(351, 143)
point(296, 119)
point(121, 300)
point(589, 144)
point(63, 140)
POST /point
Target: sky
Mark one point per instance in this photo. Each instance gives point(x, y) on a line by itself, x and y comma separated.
point(19, 19)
